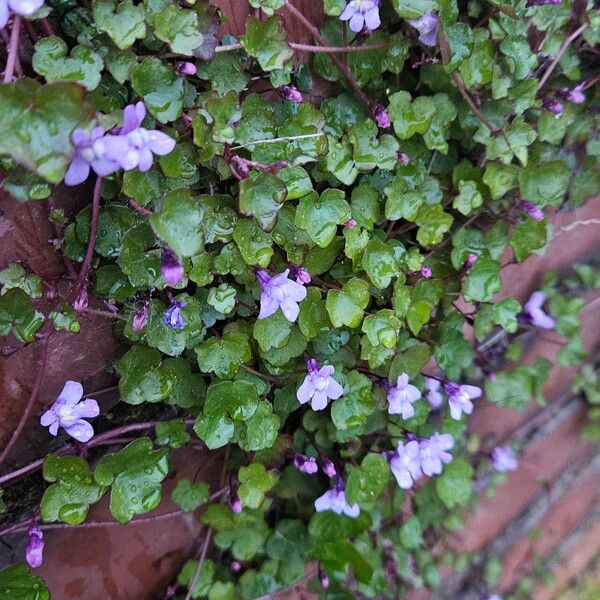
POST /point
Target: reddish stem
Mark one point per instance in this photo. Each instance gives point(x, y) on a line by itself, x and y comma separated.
point(85, 267)
point(139, 209)
point(13, 50)
point(41, 369)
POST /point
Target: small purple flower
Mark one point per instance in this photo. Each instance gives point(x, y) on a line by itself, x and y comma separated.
point(470, 261)
point(301, 275)
point(553, 106)
point(140, 319)
point(403, 158)
point(532, 210)
point(327, 466)
point(305, 464)
point(433, 395)
point(426, 272)
point(34, 553)
point(323, 579)
point(335, 500)
point(405, 463)
point(534, 313)
point(427, 26)
point(459, 398)
point(170, 267)
point(236, 505)
point(360, 13)
point(574, 95)
point(23, 8)
point(185, 68)
point(433, 453)
point(92, 150)
point(402, 397)
point(318, 386)
point(142, 143)
point(235, 566)
point(350, 224)
point(279, 292)
point(173, 317)
point(381, 116)
point(289, 92)
point(69, 411)
point(542, 2)
point(504, 459)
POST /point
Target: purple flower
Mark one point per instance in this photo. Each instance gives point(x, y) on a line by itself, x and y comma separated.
point(236, 504)
point(142, 143)
point(323, 579)
point(350, 224)
point(504, 459)
point(300, 273)
point(279, 292)
point(403, 158)
point(542, 2)
point(327, 466)
point(68, 412)
point(402, 397)
point(361, 13)
point(170, 267)
point(289, 92)
point(534, 313)
point(433, 395)
point(335, 500)
point(318, 386)
point(92, 150)
point(173, 317)
point(470, 261)
point(532, 210)
point(553, 106)
point(405, 463)
point(426, 272)
point(427, 26)
point(381, 116)
point(433, 453)
point(185, 68)
point(140, 318)
point(574, 95)
point(305, 464)
point(34, 553)
point(23, 8)
point(459, 398)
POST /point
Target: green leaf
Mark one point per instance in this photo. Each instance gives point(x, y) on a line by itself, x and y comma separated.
point(528, 237)
point(320, 215)
point(160, 88)
point(123, 22)
point(172, 433)
point(254, 244)
point(468, 199)
point(17, 313)
point(17, 583)
point(411, 533)
point(189, 495)
point(433, 223)
point(454, 486)
point(328, 526)
point(69, 498)
point(500, 178)
point(261, 429)
point(223, 357)
point(313, 318)
point(266, 42)
point(369, 151)
point(413, 9)
point(261, 197)
point(15, 276)
point(367, 483)
point(255, 481)
point(483, 280)
point(37, 122)
point(178, 223)
point(267, 6)
point(273, 332)
point(379, 261)
point(179, 28)
point(417, 315)
point(381, 328)
point(546, 184)
point(204, 581)
point(346, 306)
point(476, 69)
point(410, 116)
point(83, 66)
point(411, 361)
point(135, 475)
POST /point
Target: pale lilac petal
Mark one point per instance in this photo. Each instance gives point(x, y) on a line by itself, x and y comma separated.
point(268, 306)
point(536, 300)
point(372, 19)
point(455, 409)
point(4, 13)
point(53, 429)
point(351, 511)
point(304, 392)
point(81, 137)
point(131, 117)
point(160, 143)
point(348, 12)
point(323, 503)
point(78, 170)
point(471, 390)
point(104, 166)
point(334, 389)
point(319, 400)
point(295, 291)
point(81, 430)
point(145, 160)
point(290, 309)
point(87, 409)
point(326, 371)
point(356, 22)
point(48, 418)
point(25, 7)
point(412, 393)
point(71, 392)
point(540, 319)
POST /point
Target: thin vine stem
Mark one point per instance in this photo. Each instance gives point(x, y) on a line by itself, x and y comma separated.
point(82, 279)
point(13, 50)
point(316, 49)
point(198, 570)
point(41, 370)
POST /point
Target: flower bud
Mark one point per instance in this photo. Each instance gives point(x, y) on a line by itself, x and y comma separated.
point(34, 553)
point(381, 116)
point(289, 92)
point(534, 211)
point(403, 158)
point(351, 224)
point(553, 106)
point(141, 318)
point(426, 272)
point(328, 467)
point(170, 267)
point(185, 68)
